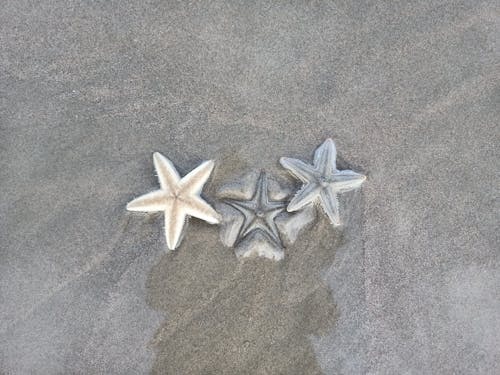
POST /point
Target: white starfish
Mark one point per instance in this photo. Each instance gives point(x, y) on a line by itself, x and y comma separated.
point(322, 181)
point(177, 198)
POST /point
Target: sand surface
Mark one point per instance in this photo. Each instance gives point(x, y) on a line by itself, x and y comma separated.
point(410, 93)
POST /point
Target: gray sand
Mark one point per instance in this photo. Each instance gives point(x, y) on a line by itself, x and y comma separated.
point(408, 90)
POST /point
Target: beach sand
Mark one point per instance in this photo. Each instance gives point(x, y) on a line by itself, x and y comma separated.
point(409, 91)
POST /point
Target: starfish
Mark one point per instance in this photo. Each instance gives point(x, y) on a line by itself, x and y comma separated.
point(177, 197)
point(259, 212)
point(322, 181)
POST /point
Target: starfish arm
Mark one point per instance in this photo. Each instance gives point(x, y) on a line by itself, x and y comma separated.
point(299, 169)
point(275, 206)
point(247, 210)
point(325, 157)
point(167, 174)
point(193, 182)
point(330, 204)
point(266, 226)
point(245, 207)
point(260, 195)
point(248, 225)
point(151, 202)
point(347, 180)
point(200, 209)
point(174, 223)
point(273, 230)
point(304, 196)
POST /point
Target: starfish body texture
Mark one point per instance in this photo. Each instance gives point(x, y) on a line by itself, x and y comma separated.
point(259, 212)
point(322, 181)
point(177, 197)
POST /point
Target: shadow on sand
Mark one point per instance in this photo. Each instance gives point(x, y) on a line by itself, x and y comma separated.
point(230, 317)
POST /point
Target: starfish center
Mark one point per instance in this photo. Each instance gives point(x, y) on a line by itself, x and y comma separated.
point(260, 213)
point(325, 181)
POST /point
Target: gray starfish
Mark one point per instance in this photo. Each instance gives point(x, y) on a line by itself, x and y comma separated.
point(259, 212)
point(178, 197)
point(322, 181)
